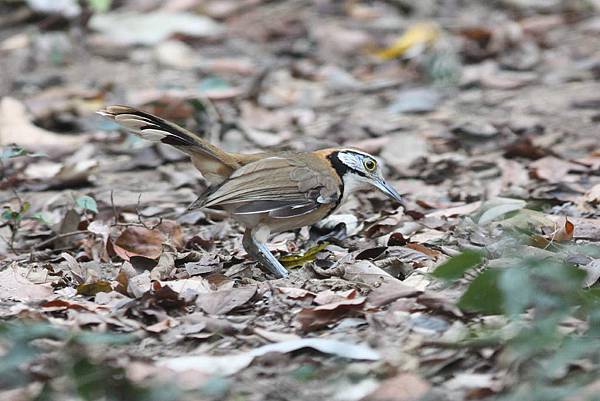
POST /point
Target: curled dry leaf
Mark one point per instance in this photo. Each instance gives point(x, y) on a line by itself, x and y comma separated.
point(15, 286)
point(141, 241)
point(404, 387)
point(593, 195)
point(552, 169)
point(224, 301)
point(295, 293)
point(592, 270)
point(16, 127)
point(230, 364)
point(389, 292)
point(323, 315)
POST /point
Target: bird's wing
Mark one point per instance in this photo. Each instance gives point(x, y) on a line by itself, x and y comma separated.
point(280, 186)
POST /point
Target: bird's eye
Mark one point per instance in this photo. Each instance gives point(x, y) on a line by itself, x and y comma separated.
point(370, 164)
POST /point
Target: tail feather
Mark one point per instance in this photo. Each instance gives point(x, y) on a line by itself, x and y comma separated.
point(215, 164)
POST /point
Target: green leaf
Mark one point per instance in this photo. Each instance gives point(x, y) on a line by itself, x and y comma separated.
point(483, 294)
point(515, 283)
point(87, 203)
point(99, 6)
point(457, 265)
point(8, 214)
point(213, 83)
point(11, 151)
point(42, 218)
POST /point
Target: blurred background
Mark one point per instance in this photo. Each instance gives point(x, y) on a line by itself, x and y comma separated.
point(428, 78)
point(464, 100)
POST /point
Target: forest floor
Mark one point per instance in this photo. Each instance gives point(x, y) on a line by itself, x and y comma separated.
point(485, 115)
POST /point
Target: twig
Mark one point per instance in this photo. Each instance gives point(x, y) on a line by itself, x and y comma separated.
point(139, 216)
point(114, 208)
point(59, 236)
point(10, 244)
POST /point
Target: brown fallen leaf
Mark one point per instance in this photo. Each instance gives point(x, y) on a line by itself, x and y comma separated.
point(323, 315)
point(16, 127)
point(275, 336)
point(404, 387)
point(593, 195)
point(15, 286)
point(224, 301)
point(295, 293)
point(364, 271)
point(563, 232)
point(389, 292)
point(63, 304)
point(329, 296)
point(425, 250)
point(162, 326)
point(462, 210)
point(552, 169)
point(140, 241)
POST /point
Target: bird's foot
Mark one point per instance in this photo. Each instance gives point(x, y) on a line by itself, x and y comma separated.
point(264, 256)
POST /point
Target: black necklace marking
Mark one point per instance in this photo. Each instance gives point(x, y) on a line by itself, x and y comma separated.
point(341, 169)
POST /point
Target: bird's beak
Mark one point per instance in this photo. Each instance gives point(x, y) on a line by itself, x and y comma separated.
point(390, 191)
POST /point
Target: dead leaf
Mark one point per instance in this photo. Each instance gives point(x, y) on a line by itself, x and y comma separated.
point(329, 296)
point(404, 387)
point(195, 284)
point(552, 169)
point(15, 286)
point(323, 315)
point(274, 336)
point(592, 270)
point(564, 232)
point(224, 301)
point(164, 267)
point(91, 289)
point(152, 27)
point(162, 326)
point(366, 272)
point(140, 241)
point(230, 364)
point(462, 210)
point(593, 195)
point(15, 127)
point(138, 285)
point(414, 40)
point(389, 292)
point(295, 293)
point(473, 381)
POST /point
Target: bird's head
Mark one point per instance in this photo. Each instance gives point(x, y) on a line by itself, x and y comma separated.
point(360, 170)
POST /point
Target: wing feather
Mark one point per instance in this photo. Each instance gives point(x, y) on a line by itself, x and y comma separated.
point(280, 186)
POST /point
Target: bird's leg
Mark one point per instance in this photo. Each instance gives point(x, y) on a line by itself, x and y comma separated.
point(255, 246)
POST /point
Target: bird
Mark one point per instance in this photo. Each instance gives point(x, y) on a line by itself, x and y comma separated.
point(267, 192)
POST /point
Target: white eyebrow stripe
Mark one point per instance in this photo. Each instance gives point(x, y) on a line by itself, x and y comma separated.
point(353, 159)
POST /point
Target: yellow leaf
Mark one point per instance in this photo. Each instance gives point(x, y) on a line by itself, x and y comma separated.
point(300, 259)
point(92, 289)
point(421, 34)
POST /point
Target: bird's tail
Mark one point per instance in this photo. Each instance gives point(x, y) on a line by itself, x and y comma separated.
point(215, 164)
